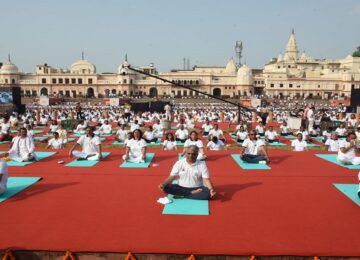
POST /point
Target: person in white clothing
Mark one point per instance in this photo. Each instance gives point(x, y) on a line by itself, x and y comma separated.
point(121, 134)
point(181, 134)
point(5, 129)
point(284, 129)
point(193, 178)
point(135, 125)
point(81, 128)
point(194, 140)
point(216, 132)
point(299, 145)
point(241, 135)
point(158, 129)
point(347, 150)
point(53, 127)
point(215, 144)
point(22, 147)
point(149, 135)
point(3, 176)
point(341, 130)
point(333, 143)
point(310, 118)
point(270, 135)
point(55, 142)
point(260, 129)
point(105, 128)
point(206, 128)
point(135, 148)
point(91, 146)
point(254, 150)
point(304, 133)
point(62, 134)
point(169, 142)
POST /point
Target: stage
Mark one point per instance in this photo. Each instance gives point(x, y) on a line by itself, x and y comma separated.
point(293, 209)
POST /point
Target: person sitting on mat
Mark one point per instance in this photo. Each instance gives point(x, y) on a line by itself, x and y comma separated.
point(252, 148)
point(30, 131)
point(62, 134)
point(91, 146)
point(129, 136)
point(55, 142)
point(304, 133)
point(3, 176)
point(5, 129)
point(270, 135)
point(298, 144)
point(158, 128)
point(284, 129)
point(333, 143)
point(193, 178)
point(194, 140)
point(206, 128)
point(241, 135)
point(169, 142)
point(341, 130)
point(326, 134)
point(22, 147)
point(135, 148)
point(81, 128)
point(135, 125)
point(347, 150)
point(121, 134)
point(241, 124)
point(215, 144)
point(181, 134)
point(53, 127)
point(260, 129)
point(149, 135)
point(216, 132)
point(105, 128)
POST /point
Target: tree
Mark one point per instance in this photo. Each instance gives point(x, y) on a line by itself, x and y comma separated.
point(357, 52)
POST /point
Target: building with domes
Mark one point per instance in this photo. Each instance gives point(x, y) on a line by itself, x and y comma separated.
point(290, 74)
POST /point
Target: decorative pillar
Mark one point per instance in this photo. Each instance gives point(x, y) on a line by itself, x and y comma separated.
point(254, 117)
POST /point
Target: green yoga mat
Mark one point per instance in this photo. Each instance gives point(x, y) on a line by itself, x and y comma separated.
point(149, 157)
point(40, 138)
point(350, 191)
point(17, 184)
point(85, 163)
point(289, 137)
point(39, 156)
point(277, 144)
point(78, 135)
point(4, 142)
point(249, 166)
point(106, 135)
point(333, 159)
point(118, 143)
point(179, 143)
point(312, 145)
point(186, 207)
point(71, 139)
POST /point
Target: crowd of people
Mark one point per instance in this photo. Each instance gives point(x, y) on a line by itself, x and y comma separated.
point(253, 133)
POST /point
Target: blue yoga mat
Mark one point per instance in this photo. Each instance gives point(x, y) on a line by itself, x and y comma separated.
point(85, 163)
point(71, 139)
point(277, 144)
point(350, 191)
point(179, 143)
point(333, 159)
point(249, 166)
point(312, 145)
point(17, 184)
point(290, 137)
point(78, 135)
point(39, 156)
point(186, 207)
point(118, 143)
point(149, 157)
point(40, 138)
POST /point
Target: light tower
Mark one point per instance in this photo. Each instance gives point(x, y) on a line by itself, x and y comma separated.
point(238, 50)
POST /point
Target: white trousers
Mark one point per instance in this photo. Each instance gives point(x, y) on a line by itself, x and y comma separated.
point(133, 159)
point(346, 160)
point(21, 158)
point(92, 157)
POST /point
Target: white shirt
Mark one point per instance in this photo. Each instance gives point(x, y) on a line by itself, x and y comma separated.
point(190, 175)
point(206, 127)
point(349, 154)
point(182, 134)
point(5, 128)
point(252, 147)
point(299, 146)
point(241, 135)
point(340, 131)
point(216, 133)
point(53, 128)
point(149, 135)
point(284, 129)
point(4, 178)
point(259, 129)
point(105, 129)
point(238, 127)
point(198, 143)
point(55, 143)
point(333, 145)
point(304, 134)
point(133, 127)
point(89, 145)
point(122, 134)
point(169, 145)
point(271, 134)
point(136, 147)
point(157, 128)
point(215, 146)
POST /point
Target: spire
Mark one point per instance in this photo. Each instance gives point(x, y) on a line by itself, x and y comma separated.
point(82, 55)
point(292, 31)
point(126, 57)
point(291, 50)
point(9, 59)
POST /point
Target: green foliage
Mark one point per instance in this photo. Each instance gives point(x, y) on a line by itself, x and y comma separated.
point(357, 52)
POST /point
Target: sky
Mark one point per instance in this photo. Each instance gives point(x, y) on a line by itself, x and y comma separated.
point(164, 32)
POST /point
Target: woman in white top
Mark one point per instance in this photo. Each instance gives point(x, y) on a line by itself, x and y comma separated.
point(260, 129)
point(55, 142)
point(194, 140)
point(135, 148)
point(121, 134)
point(53, 127)
point(299, 145)
point(169, 142)
point(241, 135)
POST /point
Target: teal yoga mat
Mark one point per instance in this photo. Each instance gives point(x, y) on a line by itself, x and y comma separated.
point(249, 166)
point(350, 191)
point(186, 207)
point(35, 131)
point(289, 137)
point(180, 157)
point(78, 135)
point(179, 143)
point(39, 156)
point(4, 142)
point(17, 184)
point(40, 138)
point(149, 157)
point(85, 163)
point(333, 159)
point(118, 143)
point(158, 141)
point(71, 139)
point(312, 145)
point(277, 144)
point(106, 135)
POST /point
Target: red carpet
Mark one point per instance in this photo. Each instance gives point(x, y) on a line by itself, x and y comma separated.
point(293, 209)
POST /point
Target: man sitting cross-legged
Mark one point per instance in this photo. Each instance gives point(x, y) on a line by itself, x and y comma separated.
point(252, 148)
point(193, 178)
point(22, 147)
point(91, 146)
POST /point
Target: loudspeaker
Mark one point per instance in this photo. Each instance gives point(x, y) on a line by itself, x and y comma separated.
point(355, 96)
point(16, 96)
point(139, 107)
